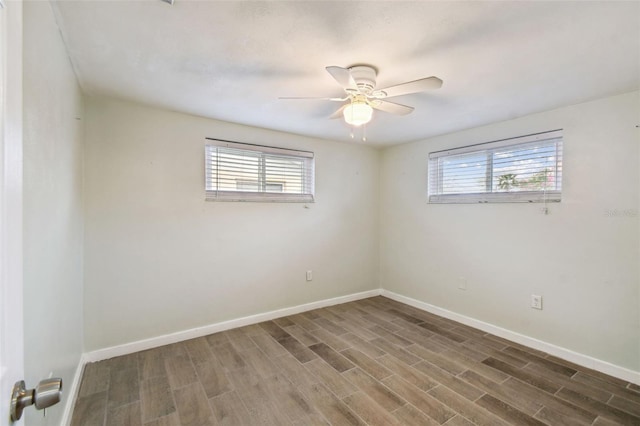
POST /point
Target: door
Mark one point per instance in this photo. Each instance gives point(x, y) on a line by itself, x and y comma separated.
point(11, 331)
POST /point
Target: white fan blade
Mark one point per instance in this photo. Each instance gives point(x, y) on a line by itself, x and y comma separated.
point(415, 86)
point(338, 113)
point(343, 77)
point(320, 99)
point(391, 107)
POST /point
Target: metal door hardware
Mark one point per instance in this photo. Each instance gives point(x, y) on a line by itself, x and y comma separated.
point(46, 394)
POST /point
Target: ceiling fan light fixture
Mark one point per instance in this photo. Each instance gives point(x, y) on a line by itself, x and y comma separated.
point(358, 113)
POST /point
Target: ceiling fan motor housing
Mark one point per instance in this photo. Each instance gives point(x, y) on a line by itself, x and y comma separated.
point(365, 77)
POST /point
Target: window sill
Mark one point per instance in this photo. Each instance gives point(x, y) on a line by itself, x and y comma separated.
point(252, 197)
point(502, 197)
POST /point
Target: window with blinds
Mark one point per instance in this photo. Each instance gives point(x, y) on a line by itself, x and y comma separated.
point(243, 172)
point(522, 169)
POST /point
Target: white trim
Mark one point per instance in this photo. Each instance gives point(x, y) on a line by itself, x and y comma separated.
point(221, 162)
point(260, 148)
point(73, 392)
point(180, 336)
point(11, 192)
point(560, 352)
point(498, 197)
point(486, 164)
point(140, 345)
point(536, 137)
point(258, 197)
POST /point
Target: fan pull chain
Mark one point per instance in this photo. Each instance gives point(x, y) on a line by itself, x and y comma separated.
point(364, 133)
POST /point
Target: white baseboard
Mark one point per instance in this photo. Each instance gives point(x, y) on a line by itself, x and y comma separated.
point(72, 391)
point(560, 352)
point(193, 333)
point(140, 345)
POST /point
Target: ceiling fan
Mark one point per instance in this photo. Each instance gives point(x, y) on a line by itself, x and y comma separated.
point(362, 96)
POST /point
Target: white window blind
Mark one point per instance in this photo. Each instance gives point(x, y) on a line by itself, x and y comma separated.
point(522, 169)
point(245, 172)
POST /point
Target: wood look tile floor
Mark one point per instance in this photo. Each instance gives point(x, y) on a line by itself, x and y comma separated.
point(370, 362)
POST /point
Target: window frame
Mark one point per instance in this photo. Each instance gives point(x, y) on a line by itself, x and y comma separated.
point(435, 177)
point(262, 152)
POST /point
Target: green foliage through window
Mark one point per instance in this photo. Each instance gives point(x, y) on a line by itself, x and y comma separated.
point(527, 168)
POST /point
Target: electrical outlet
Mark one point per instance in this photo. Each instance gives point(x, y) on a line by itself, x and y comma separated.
point(309, 275)
point(536, 301)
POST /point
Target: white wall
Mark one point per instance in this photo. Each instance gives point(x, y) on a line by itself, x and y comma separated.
point(580, 258)
point(159, 259)
point(53, 210)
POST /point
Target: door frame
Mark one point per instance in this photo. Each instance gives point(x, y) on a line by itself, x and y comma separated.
point(11, 303)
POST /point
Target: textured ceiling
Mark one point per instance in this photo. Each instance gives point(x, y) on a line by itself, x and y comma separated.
point(231, 60)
